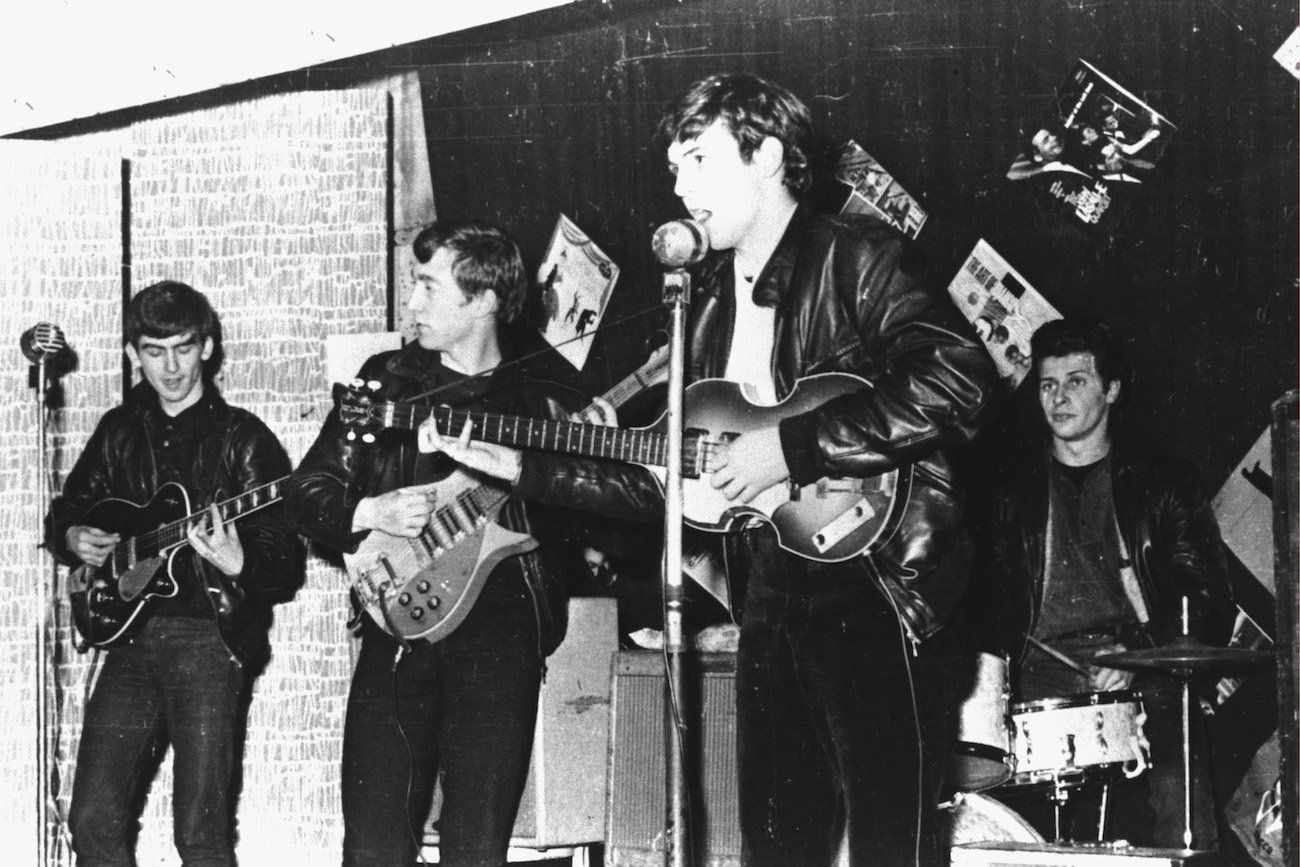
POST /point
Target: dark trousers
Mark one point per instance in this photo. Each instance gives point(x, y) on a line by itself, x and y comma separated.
point(176, 683)
point(838, 724)
point(462, 711)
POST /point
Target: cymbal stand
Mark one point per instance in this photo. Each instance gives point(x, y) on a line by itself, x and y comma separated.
point(1186, 676)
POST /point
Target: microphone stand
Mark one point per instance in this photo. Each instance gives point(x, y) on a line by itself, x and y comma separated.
point(47, 572)
point(677, 284)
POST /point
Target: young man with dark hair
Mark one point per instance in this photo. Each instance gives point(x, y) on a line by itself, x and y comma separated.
point(184, 670)
point(842, 711)
point(1090, 549)
point(460, 710)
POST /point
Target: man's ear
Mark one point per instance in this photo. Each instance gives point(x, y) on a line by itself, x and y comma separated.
point(132, 354)
point(771, 156)
point(1112, 391)
point(207, 349)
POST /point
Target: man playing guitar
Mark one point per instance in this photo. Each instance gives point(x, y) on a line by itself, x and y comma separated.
point(460, 708)
point(183, 669)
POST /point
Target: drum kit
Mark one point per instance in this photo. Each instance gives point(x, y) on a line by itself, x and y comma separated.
point(1057, 746)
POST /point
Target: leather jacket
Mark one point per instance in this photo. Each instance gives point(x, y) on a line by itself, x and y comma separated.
point(338, 473)
point(1167, 526)
point(237, 453)
point(848, 299)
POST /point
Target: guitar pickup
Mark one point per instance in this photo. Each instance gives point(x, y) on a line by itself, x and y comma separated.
point(850, 520)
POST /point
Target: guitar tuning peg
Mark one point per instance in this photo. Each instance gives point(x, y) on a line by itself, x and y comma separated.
point(357, 382)
point(352, 435)
point(373, 385)
point(368, 438)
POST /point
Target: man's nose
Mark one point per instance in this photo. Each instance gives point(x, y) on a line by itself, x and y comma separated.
point(171, 362)
point(680, 185)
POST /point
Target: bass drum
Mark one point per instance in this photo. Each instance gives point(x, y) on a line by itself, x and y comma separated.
point(970, 818)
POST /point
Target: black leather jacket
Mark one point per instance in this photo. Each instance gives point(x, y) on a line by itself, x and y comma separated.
point(1166, 523)
point(847, 300)
point(237, 453)
point(336, 474)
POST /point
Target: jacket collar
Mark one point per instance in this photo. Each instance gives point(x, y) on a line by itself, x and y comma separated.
point(143, 399)
point(773, 284)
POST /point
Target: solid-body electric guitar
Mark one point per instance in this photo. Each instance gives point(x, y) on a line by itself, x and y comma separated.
point(107, 601)
point(828, 521)
point(423, 587)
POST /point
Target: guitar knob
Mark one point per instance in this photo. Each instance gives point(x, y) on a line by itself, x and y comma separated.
point(417, 613)
point(404, 599)
point(422, 586)
point(434, 602)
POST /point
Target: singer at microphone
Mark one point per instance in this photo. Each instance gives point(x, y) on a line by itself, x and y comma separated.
point(679, 243)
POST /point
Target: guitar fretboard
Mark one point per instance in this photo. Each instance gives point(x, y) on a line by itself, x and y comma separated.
point(162, 539)
point(647, 448)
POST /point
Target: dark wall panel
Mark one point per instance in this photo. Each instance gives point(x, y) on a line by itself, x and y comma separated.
point(557, 113)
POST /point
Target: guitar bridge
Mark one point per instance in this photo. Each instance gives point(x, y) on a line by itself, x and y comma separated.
point(849, 521)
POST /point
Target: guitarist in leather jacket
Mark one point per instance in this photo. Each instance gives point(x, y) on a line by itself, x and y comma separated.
point(186, 669)
point(844, 670)
point(461, 710)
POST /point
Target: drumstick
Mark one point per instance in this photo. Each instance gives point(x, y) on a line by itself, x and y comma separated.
point(1059, 656)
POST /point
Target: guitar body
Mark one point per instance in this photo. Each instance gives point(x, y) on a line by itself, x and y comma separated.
point(107, 602)
point(423, 588)
point(829, 521)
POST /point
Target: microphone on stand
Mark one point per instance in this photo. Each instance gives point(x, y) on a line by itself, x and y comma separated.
point(679, 243)
point(42, 342)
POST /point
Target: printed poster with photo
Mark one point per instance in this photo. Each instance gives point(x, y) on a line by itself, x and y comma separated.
point(576, 280)
point(872, 190)
point(1288, 54)
point(1093, 148)
point(1003, 307)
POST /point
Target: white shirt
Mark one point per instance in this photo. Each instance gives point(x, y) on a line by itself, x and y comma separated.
point(752, 339)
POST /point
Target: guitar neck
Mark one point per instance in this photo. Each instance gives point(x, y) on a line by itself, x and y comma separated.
point(653, 372)
point(644, 447)
point(172, 535)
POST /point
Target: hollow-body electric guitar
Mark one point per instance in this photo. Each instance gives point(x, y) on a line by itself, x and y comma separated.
point(424, 587)
point(828, 521)
point(107, 601)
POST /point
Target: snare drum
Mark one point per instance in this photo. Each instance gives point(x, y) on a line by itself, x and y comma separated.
point(1068, 738)
point(981, 756)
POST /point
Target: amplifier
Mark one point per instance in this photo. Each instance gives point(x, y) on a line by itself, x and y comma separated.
point(563, 803)
point(1079, 855)
point(637, 781)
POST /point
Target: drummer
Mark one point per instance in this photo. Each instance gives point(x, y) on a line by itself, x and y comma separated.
point(1089, 550)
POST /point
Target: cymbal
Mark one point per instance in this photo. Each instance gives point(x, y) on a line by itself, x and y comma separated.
point(1184, 656)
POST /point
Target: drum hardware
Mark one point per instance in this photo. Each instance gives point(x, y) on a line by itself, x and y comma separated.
point(981, 756)
point(1185, 658)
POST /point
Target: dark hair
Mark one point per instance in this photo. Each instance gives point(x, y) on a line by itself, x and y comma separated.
point(484, 259)
point(752, 109)
point(1062, 337)
point(170, 308)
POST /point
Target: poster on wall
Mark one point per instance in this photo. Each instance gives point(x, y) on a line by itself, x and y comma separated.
point(1289, 53)
point(1093, 148)
point(576, 280)
point(1003, 307)
point(872, 190)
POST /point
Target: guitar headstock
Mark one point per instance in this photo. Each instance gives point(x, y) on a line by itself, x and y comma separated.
point(359, 408)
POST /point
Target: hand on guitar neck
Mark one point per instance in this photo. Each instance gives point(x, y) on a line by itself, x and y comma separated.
point(217, 542)
point(498, 461)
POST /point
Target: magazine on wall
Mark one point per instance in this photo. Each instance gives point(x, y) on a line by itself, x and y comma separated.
point(1003, 307)
point(872, 190)
point(576, 280)
point(1093, 148)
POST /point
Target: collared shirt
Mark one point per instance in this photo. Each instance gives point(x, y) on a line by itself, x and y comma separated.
point(175, 449)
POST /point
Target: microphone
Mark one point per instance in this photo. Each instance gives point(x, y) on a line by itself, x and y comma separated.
point(679, 243)
point(42, 342)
